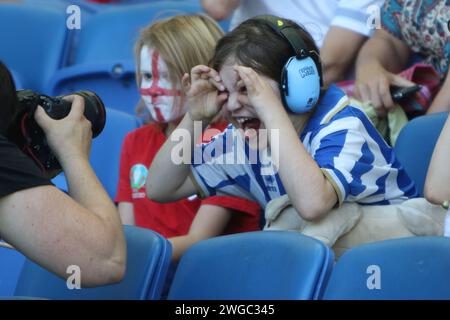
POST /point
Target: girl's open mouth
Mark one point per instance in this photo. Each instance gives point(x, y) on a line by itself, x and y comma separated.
point(250, 126)
point(247, 123)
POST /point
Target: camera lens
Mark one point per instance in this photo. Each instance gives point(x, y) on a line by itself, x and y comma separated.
point(32, 138)
point(94, 111)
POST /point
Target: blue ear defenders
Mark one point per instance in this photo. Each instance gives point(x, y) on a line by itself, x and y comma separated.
point(301, 77)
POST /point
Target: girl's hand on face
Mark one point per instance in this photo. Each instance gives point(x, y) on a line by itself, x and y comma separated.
point(260, 94)
point(204, 92)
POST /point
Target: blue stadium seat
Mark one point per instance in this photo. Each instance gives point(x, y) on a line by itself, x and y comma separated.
point(18, 82)
point(268, 265)
point(104, 63)
point(105, 150)
point(33, 42)
point(21, 298)
point(87, 7)
point(149, 255)
point(113, 82)
point(399, 269)
point(415, 145)
point(111, 34)
point(11, 262)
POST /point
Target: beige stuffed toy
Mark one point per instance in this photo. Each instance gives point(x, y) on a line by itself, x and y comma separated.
point(352, 224)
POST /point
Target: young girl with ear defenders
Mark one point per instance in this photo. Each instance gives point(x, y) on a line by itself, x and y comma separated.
point(165, 50)
point(266, 74)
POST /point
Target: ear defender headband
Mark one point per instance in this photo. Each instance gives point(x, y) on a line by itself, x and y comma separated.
point(301, 77)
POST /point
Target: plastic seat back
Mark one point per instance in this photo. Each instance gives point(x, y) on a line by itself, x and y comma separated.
point(256, 265)
point(148, 258)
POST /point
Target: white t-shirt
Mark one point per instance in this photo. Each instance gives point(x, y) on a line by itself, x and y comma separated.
point(315, 15)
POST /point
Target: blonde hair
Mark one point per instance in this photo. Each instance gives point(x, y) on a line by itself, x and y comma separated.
point(183, 42)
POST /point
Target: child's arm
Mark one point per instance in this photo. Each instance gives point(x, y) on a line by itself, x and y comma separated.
point(210, 221)
point(437, 184)
point(167, 179)
point(310, 192)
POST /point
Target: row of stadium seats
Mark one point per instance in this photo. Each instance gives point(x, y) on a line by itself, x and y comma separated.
point(263, 265)
point(47, 57)
point(148, 259)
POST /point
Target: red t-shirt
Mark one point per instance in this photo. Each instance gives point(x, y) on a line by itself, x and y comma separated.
point(171, 219)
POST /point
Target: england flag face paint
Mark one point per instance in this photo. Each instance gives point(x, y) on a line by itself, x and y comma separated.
point(156, 89)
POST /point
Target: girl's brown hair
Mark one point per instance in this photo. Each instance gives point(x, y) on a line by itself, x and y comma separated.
point(255, 44)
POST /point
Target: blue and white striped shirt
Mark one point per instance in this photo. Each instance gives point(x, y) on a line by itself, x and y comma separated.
point(339, 137)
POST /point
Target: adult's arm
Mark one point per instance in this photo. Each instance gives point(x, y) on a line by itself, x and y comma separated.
point(381, 57)
point(56, 230)
point(338, 53)
point(220, 9)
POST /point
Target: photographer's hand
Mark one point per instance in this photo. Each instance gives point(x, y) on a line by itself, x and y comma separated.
point(69, 137)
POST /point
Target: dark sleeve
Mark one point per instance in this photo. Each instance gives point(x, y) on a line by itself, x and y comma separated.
point(17, 171)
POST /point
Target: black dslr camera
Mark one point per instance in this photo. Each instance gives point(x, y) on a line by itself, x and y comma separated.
point(33, 138)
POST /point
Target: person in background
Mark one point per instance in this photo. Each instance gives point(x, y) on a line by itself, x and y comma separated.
point(165, 51)
point(339, 28)
point(51, 228)
point(409, 27)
